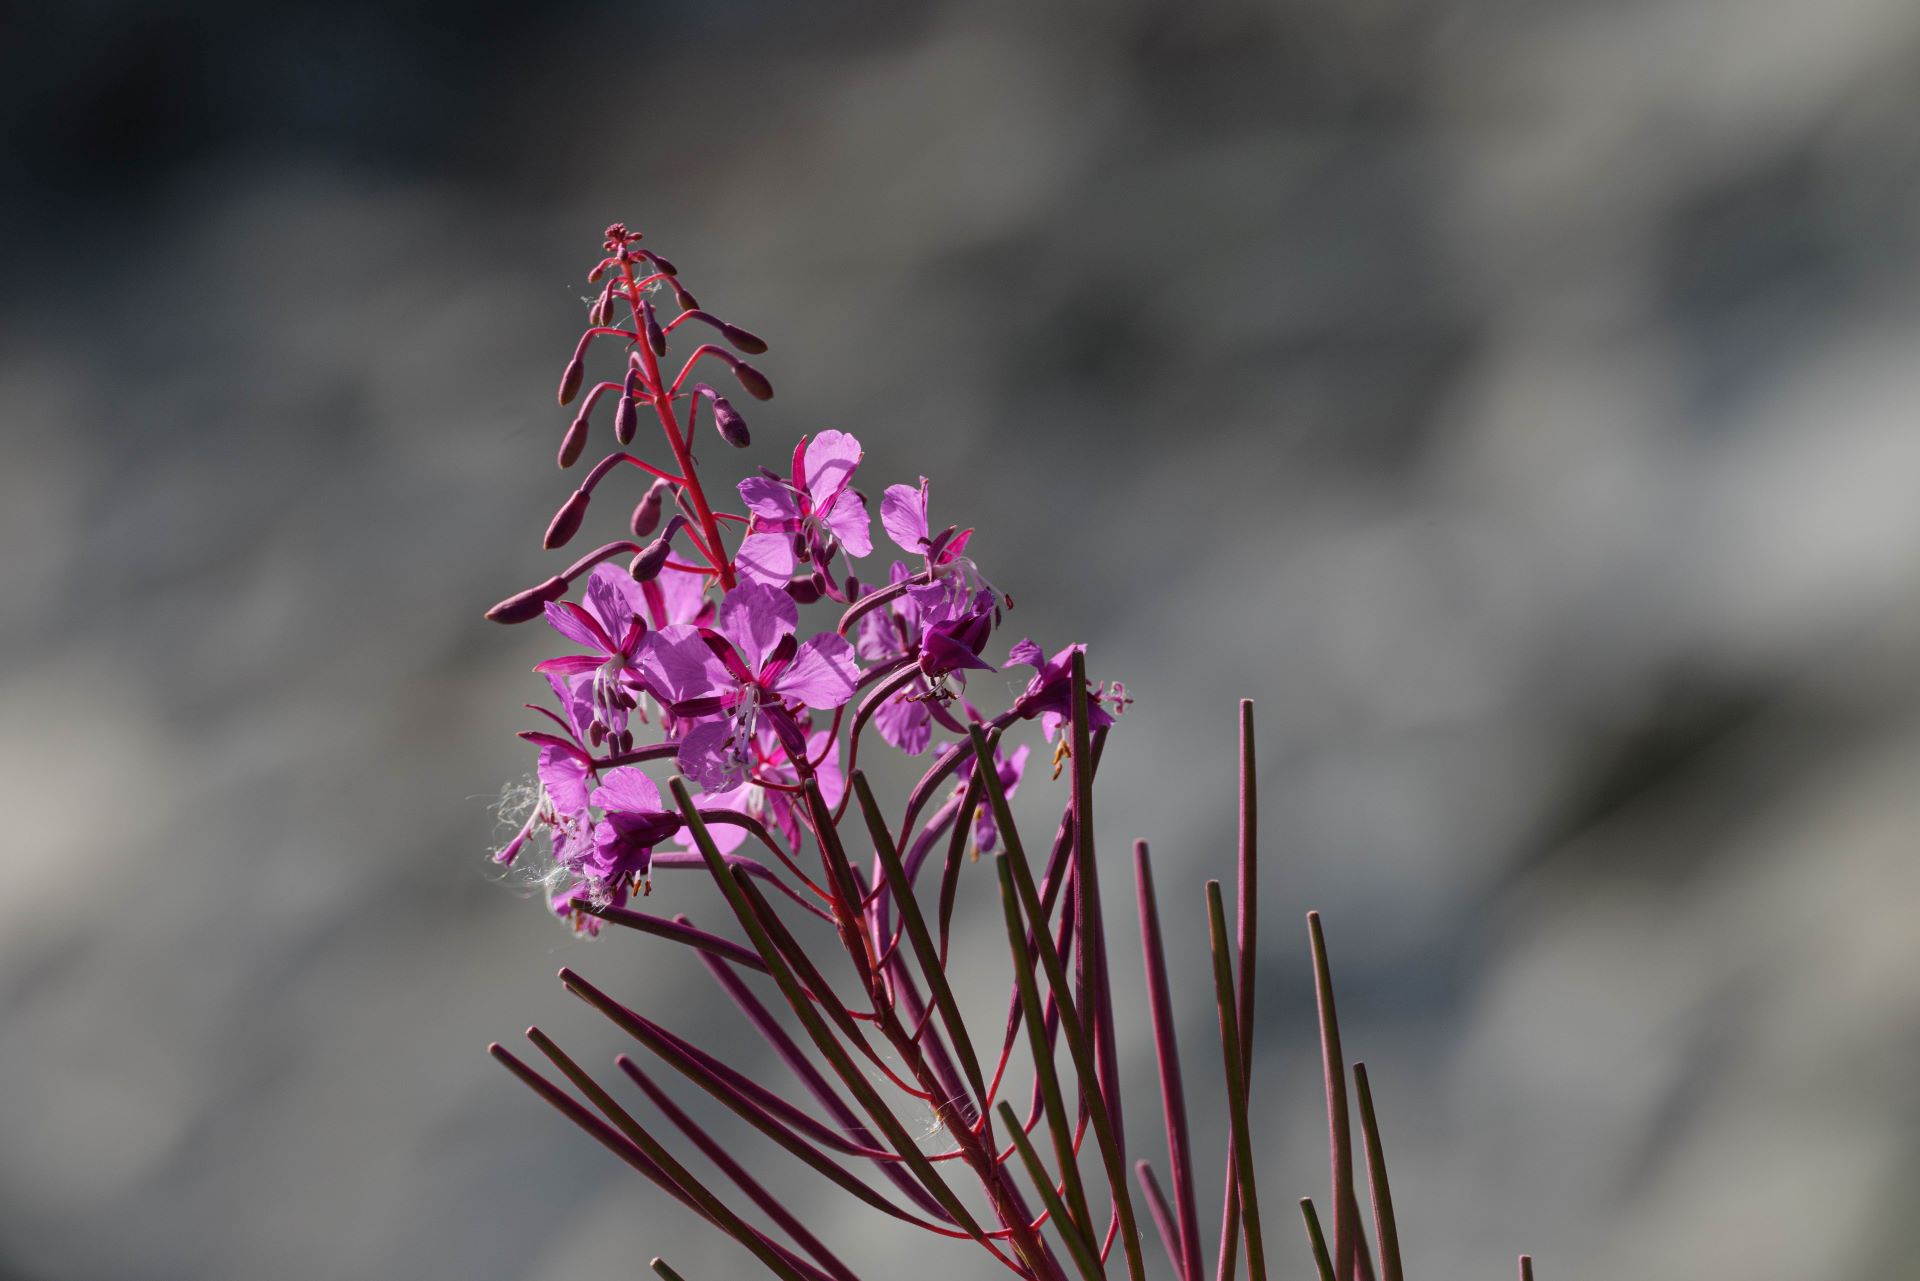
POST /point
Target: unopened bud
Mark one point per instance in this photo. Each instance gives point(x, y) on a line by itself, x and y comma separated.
point(656, 336)
point(661, 264)
point(626, 420)
point(680, 295)
point(646, 513)
point(732, 427)
point(570, 380)
point(531, 603)
point(646, 566)
point(574, 443)
point(599, 270)
point(803, 591)
point(752, 344)
point(566, 521)
point(753, 380)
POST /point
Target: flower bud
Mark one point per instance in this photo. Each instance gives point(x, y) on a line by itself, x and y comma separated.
point(570, 380)
point(803, 591)
point(661, 264)
point(753, 380)
point(566, 521)
point(680, 295)
point(732, 427)
point(574, 443)
point(646, 513)
point(752, 344)
point(626, 420)
point(646, 566)
point(650, 324)
point(531, 603)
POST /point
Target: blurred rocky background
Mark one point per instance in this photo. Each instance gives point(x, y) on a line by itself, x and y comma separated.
point(1518, 400)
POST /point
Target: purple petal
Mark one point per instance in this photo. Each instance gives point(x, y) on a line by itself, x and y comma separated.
point(879, 637)
point(568, 664)
point(848, 521)
point(1029, 654)
point(822, 674)
point(565, 778)
point(829, 464)
point(903, 514)
point(755, 617)
point(706, 755)
point(579, 630)
point(630, 790)
point(773, 503)
point(615, 599)
point(907, 726)
point(822, 746)
point(679, 666)
point(675, 597)
point(765, 558)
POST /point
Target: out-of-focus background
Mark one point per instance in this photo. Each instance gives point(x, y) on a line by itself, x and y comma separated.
point(1517, 400)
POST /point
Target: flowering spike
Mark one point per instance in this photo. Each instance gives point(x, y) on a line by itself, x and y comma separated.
point(530, 604)
point(566, 521)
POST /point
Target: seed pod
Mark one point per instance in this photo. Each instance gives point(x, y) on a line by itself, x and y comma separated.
point(753, 380)
point(531, 603)
point(570, 380)
point(566, 521)
point(574, 443)
point(646, 513)
point(750, 343)
point(732, 427)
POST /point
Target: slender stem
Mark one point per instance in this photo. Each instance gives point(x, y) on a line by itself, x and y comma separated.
point(1173, 1099)
point(1339, 1127)
point(725, 1163)
point(1164, 1221)
point(1318, 1242)
point(1235, 1062)
point(923, 946)
point(1078, 1036)
point(1386, 1231)
point(1053, 1105)
point(1082, 1251)
point(729, 1222)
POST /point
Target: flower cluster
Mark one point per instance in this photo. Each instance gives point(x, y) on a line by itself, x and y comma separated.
point(692, 630)
point(686, 652)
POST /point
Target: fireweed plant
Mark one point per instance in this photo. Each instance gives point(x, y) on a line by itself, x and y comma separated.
point(684, 650)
